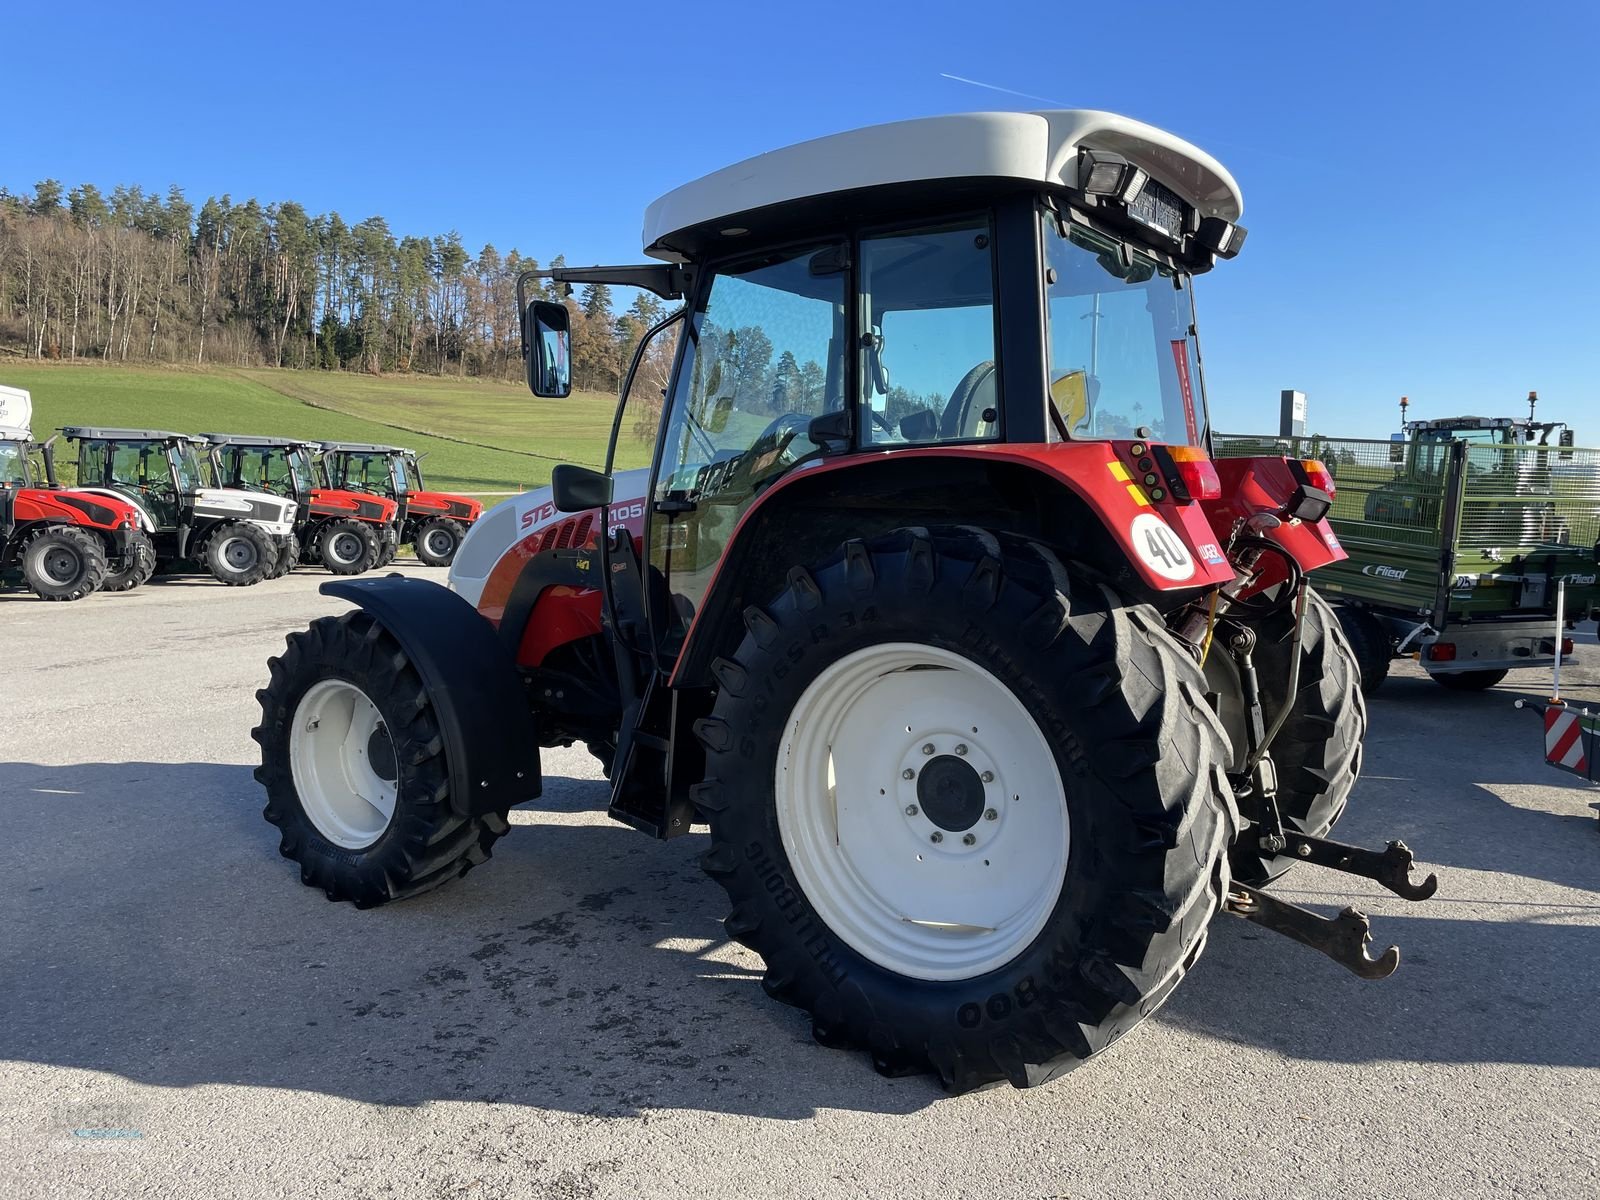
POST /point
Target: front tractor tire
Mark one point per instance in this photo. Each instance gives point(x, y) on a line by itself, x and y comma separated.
point(347, 547)
point(353, 763)
point(240, 554)
point(134, 568)
point(288, 554)
point(968, 805)
point(63, 562)
point(438, 540)
point(1318, 751)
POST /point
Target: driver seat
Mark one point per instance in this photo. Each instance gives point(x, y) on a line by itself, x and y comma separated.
point(976, 394)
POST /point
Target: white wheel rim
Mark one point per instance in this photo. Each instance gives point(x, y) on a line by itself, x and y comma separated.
point(925, 898)
point(439, 543)
point(342, 790)
point(239, 554)
point(345, 548)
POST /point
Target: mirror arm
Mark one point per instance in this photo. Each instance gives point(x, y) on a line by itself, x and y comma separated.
point(666, 280)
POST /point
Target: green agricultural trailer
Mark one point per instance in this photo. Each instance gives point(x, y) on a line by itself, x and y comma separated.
point(1458, 532)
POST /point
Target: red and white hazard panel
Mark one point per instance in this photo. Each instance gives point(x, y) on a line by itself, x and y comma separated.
point(1566, 742)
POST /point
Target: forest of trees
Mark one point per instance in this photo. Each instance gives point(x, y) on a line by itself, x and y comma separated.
point(136, 277)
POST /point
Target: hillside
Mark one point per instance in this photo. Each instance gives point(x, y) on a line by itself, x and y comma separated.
point(479, 436)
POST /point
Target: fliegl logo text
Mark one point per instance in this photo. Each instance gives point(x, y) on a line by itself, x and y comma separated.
point(1578, 580)
point(1385, 572)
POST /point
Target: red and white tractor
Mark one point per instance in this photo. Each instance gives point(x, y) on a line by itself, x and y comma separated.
point(433, 523)
point(989, 686)
point(347, 532)
point(64, 544)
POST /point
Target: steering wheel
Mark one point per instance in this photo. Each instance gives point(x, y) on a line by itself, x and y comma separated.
point(768, 454)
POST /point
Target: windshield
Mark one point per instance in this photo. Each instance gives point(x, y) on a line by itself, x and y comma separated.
point(413, 473)
point(300, 470)
point(13, 464)
point(1123, 353)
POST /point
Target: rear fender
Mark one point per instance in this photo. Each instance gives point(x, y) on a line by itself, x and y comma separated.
point(1082, 497)
point(1255, 485)
point(491, 737)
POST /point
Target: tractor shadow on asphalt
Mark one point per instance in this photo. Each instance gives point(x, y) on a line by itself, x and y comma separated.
point(156, 934)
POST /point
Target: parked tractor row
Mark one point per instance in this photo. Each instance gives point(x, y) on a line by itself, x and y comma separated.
point(241, 508)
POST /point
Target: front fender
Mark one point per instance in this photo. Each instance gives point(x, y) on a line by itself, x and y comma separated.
point(491, 737)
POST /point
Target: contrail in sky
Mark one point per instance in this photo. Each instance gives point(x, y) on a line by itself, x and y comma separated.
point(997, 88)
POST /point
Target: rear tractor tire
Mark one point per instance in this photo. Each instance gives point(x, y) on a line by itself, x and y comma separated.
point(1318, 751)
point(63, 562)
point(969, 806)
point(288, 555)
point(347, 547)
point(240, 554)
point(134, 568)
point(1470, 681)
point(1369, 642)
point(438, 540)
point(354, 767)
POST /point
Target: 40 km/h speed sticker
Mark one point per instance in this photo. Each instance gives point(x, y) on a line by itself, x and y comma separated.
point(1160, 549)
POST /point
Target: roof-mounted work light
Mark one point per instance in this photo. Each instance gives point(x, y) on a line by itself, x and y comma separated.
point(1102, 173)
point(1222, 238)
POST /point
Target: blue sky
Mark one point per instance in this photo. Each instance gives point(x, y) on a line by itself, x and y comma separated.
point(1418, 177)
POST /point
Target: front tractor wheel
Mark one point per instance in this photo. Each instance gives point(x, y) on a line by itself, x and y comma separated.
point(240, 554)
point(438, 540)
point(63, 562)
point(347, 547)
point(134, 568)
point(354, 767)
point(969, 806)
point(288, 554)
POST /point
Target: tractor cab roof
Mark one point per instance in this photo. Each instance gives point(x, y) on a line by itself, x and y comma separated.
point(976, 153)
point(246, 439)
point(10, 434)
point(363, 448)
point(97, 434)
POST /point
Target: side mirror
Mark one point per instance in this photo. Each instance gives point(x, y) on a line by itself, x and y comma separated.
point(578, 489)
point(1397, 447)
point(547, 349)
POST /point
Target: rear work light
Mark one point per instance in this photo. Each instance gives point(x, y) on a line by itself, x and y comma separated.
point(1190, 471)
point(1318, 475)
point(1441, 652)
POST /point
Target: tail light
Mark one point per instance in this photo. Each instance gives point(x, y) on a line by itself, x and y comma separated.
point(1441, 652)
point(1318, 475)
point(1191, 472)
point(1566, 647)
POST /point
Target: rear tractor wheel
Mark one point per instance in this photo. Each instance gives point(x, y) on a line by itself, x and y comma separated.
point(288, 555)
point(438, 540)
point(354, 767)
point(969, 806)
point(134, 568)
point(240, 554)
point(347, 547)
point(63, 562)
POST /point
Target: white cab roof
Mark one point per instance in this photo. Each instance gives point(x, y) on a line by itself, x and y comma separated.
point(1037, 147)
point(16, 407)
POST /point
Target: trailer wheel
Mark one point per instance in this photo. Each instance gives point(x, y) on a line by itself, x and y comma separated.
point(969, 807)
point(1318, 751)
point(438, 540)
point(1369, 642)
point(239, 554)
point(1470, 681)
point(354, 767)
point(63, 562)
point(347, 547)
point(288, 555)
point(134, 568)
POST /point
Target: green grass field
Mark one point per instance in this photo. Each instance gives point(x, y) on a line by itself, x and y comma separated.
point(479, 436)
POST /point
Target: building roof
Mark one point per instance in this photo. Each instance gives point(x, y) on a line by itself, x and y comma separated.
point(1035, 147)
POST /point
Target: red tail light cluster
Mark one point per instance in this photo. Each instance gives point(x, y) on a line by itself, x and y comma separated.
point(1318, 475)
point(1441, 652)
point(1196, 474)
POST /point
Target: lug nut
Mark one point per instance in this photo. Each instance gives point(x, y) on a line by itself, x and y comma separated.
point(936, 836)
point(969, 840)
point(987, 777)
point(908, 773)
point(911, 810)
point(927, 747)
point(990, 814)
point(1304, 851)
point(961, 748)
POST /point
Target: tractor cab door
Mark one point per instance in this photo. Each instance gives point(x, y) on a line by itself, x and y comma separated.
point(764, 355)
point(144, 470)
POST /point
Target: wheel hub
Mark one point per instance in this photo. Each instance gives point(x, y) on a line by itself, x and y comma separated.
point(60, 565)
point(950, 792)
point(239, 554)
point(380, 754)
point(346, 547)
point(344, 763)
point(439, 543)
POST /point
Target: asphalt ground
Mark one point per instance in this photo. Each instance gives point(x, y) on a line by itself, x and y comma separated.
point(180, 1017)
